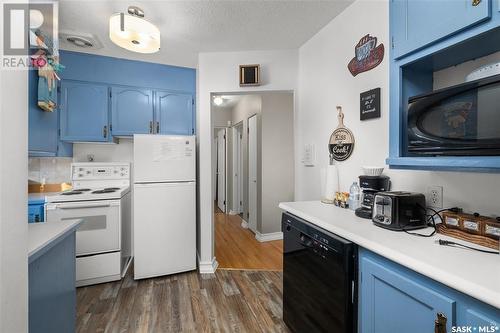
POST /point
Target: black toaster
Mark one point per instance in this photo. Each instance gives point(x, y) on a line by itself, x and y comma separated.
point(399, 210)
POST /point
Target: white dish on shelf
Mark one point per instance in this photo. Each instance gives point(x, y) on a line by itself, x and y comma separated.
point(372, 170)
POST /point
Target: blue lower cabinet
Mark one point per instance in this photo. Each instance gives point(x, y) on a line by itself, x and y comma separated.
point(131, 111)
point(394, 299)
point(52, 291)
point(35, 213)
point(84, 111)
point(36, 208)
point(174, 113)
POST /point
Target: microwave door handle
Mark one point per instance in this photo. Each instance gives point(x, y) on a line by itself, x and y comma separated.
point(84, 206)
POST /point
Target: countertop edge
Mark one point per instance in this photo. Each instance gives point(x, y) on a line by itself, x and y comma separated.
point(442, 276)
point(50, 238)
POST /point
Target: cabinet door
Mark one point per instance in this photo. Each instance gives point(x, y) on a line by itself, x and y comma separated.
point(84, 111)
point(131, 110)
point(42, 133)
point(393, 302)
point(174, 113)
point(417, 23)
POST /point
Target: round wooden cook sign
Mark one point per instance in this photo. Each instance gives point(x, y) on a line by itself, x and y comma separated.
point(342, 140)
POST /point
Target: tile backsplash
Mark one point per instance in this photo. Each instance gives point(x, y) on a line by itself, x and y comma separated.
point(50, 170)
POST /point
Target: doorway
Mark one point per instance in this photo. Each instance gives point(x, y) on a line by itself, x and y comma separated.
point(259, 169)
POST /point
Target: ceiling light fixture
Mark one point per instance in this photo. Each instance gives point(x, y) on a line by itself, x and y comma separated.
point(218, 100)
point(132, 32)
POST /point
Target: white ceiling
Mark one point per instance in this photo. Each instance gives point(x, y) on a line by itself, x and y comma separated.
point(189, 27)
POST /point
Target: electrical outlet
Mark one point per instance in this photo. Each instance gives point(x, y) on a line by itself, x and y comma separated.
point(435, 196)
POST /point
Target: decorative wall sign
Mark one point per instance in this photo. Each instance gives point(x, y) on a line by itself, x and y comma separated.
point(341, 141)
point(369, 104)
point(249, 75)
point(368, 55)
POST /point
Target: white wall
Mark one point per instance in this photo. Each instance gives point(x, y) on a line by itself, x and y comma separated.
point(121, 152)
point(277, 154)
point(13, 199)
point(324, 82)
point(218, 73)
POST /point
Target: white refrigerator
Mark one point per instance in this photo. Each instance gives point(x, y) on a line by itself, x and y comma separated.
point(164, 205)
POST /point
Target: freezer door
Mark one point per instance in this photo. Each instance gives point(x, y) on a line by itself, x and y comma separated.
point(164, 228)
point(164, 158)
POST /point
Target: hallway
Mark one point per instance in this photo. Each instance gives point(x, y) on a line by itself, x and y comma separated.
point(237, 248)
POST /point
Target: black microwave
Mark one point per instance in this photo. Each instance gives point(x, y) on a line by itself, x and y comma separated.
point(462, 120)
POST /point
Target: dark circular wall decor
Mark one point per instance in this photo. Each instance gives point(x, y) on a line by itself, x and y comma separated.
point(341, 141)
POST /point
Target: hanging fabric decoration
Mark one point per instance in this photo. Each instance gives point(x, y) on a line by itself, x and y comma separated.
point(46, 60)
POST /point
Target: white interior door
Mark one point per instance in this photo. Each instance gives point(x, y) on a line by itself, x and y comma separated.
point(221, 169)
point(252, 173)
point(240, 166)
point(237, 170)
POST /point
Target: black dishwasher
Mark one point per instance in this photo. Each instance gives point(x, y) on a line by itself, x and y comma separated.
point(320, 283)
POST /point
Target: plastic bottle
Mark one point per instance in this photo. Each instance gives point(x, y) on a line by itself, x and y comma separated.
point(354, 196)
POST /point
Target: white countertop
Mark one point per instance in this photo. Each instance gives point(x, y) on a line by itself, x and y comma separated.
point(470, 272)
point(41, 195)
point(43, 234)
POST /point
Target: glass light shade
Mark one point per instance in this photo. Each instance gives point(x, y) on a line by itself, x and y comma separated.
point(138, 35)
point(218, 100)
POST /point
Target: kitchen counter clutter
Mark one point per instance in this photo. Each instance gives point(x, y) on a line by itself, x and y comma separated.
point(471, 272)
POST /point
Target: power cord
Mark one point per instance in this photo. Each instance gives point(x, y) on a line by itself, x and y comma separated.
point(453, 244)
point(430, 219)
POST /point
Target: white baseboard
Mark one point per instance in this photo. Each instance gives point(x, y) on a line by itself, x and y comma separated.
point(244, 224)
point(207, 267)
point(268, 237)
point(233, 212)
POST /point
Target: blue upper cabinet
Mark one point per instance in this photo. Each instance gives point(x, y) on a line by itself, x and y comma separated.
point(174, 113)
point(84, 111)
point(43, 136)
point(131, 111)
point(415, 24)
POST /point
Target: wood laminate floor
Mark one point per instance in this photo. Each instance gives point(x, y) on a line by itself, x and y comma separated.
point(237, 248)
point(227, 301)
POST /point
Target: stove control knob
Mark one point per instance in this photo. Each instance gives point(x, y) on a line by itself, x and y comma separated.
point(88, 172)
point(116, 171)
point(122, 174)
point(80, 175)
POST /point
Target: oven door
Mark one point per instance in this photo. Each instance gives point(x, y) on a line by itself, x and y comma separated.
point(100, 230)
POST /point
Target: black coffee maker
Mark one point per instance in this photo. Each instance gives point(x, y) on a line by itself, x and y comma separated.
point(370, 185)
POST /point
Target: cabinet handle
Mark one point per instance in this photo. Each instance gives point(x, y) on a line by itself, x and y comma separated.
point(476, 3)
point(157, 127)
point(440, 323)
point(105, 131)
point(151, 127)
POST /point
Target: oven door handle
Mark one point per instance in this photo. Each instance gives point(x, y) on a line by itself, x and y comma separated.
point(84, 206)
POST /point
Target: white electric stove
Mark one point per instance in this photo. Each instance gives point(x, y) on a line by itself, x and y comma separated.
point(100, 195)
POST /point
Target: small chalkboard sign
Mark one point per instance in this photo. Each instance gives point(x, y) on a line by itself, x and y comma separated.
point(369, 106)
